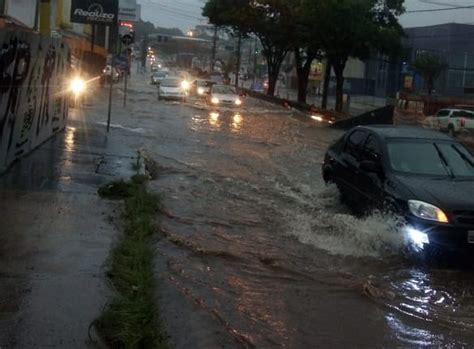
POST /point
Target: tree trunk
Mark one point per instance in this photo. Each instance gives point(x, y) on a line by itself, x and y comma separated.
point(327, 78)
point(338, 67)
point(429, 83)
point(238, 61)
point(272, 78)
point(302, 71)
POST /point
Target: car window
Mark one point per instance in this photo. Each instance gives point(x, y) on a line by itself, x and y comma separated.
point(372, 149)
point(460, 161)
point(428, 158)
point(457, 114)
point(443, 113)
point(170, 83)
point(223, 89)
point(467, 114)
point(415, 158)
point(355, 142)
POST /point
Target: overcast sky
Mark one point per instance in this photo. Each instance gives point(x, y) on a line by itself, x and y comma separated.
point(185, 14)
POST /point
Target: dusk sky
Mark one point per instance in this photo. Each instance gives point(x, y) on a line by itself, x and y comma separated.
point(185, 14)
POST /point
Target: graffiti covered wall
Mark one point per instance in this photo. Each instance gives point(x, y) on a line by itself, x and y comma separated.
point(33, 101)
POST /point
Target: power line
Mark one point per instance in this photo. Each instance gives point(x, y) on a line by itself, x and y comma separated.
point(442, 9)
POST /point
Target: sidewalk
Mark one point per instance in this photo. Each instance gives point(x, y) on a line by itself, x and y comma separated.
point(358, 105)
point(55, 235)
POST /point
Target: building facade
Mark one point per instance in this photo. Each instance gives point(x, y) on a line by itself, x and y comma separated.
point(454, 44)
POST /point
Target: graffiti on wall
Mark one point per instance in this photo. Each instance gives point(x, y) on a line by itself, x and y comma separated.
point(33, 100)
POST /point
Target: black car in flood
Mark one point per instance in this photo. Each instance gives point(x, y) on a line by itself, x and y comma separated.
point(423, 175)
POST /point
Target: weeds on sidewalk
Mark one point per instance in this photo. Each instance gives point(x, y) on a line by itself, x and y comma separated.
point(130, 320)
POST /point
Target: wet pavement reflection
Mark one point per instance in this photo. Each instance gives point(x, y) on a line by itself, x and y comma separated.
point(258, 252)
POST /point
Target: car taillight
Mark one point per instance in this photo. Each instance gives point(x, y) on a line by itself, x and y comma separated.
point(463, 122)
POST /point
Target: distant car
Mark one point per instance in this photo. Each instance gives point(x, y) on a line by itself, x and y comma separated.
point(156, 77)
point(224, 95)
point(172, 88)
point(201, 87)
point(423, 175)
point(107, 73)
point(451, 120)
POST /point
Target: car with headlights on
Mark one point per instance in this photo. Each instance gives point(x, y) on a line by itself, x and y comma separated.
point(158, 76)
point(172, 88)
point(423, 175)
point(201, 88)
point(224, 95)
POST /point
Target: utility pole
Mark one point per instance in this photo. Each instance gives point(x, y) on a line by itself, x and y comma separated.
point(214, 47)
point(144, 52)
point(255, 63)
point(239, 43)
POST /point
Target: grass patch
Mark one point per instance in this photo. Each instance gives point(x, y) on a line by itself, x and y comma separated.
point(130, 320)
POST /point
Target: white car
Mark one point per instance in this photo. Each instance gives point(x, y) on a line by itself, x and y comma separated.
point(451, 120)
point(224, 95)
point(157, 77)
point(172, 88)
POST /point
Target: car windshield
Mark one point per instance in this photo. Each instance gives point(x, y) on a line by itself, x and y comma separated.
point(430, 158)
point(170, 83)
point(224, 90)
point(160, 75)
point(203, 83)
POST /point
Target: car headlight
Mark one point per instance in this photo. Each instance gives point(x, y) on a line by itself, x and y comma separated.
point(418, 238)
point(215, 100)
point(238, 102)
point(78, 86)
point(200, 91)
point(427, 211)
point(185, 84)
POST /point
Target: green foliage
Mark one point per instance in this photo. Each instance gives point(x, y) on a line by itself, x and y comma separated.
point(430, 66)
point(131, 320)
point(117, 190)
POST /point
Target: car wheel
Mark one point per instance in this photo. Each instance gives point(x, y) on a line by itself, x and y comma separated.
point(328, 177)
point(451, 131)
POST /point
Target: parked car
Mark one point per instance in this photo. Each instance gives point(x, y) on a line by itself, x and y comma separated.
point(451, 120)
point(107, 73)
point(172, 88)
point(423, 175)
point(224, 95)
point(157, 77)
point(200, 87)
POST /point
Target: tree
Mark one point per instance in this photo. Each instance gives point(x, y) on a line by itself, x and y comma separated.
point(430, 66)
point(357, 28)
point(269, 20)
point(307, 43)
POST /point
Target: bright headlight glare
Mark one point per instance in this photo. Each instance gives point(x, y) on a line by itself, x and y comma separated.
point(215, 100)
point(238, 102)
point(185, 84)
point(78, 86)
point(427, 211)
point(418, 238)
point(200, 91)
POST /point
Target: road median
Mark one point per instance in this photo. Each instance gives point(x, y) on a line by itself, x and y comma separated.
point(130, 319)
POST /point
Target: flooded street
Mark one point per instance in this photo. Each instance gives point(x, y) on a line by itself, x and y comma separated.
point(259, 252)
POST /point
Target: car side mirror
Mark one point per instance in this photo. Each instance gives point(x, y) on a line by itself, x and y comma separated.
point(371, 166)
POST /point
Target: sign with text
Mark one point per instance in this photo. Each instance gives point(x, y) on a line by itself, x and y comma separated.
point(129, 11)
point(102, 12)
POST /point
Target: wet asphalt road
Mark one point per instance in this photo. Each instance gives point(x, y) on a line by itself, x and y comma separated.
point(258, 252)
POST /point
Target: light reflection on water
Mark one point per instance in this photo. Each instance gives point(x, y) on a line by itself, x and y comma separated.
point(214, 119)
point(237, 122)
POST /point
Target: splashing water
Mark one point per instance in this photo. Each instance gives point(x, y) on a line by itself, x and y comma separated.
point(333, 229)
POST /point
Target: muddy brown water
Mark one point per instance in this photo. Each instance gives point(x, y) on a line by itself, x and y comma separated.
point(258, 252)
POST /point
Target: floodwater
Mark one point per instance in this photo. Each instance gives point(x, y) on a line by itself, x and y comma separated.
point(258, 252)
